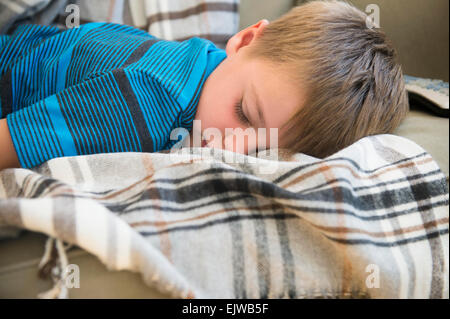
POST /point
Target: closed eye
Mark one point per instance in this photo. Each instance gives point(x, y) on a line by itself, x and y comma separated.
point(240, 113)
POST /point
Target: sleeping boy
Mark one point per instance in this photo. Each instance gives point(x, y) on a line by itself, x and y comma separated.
point(321, 75)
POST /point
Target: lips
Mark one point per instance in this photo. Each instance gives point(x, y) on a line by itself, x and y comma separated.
point(204, 143)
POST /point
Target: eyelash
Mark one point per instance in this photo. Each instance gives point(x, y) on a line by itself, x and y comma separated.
point(240, 113)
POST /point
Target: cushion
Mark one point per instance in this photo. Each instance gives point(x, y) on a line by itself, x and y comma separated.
point(19, 259)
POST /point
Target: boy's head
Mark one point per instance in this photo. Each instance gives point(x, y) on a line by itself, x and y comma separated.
point(320, 74)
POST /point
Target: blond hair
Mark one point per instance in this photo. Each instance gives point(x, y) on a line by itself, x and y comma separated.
point(354, 84)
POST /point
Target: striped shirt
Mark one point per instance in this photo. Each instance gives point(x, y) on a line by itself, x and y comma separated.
point(99, 88)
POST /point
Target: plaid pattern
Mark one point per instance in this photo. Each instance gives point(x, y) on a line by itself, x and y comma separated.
point(195, 225)
point(215, 20)
point(12, 11)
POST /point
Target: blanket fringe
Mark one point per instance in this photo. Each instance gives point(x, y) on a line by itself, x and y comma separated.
point(54, 263)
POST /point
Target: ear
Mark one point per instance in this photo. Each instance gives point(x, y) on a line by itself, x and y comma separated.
point(245, 37)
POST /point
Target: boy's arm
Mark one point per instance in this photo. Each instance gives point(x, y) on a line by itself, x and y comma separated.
point(8, 155)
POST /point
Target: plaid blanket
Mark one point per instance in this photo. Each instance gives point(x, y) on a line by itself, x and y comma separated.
point(215, 20)
point(369, 221)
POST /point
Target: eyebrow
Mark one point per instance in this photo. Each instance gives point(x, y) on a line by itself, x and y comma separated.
point(261, 119)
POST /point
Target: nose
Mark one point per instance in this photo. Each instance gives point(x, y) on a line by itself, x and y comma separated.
point(242, 141)
point(231, 142)
point(237, 143)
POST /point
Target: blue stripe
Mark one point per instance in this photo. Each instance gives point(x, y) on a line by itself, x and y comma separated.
point(46, 132)
point(103, 119)
point(36, 140)
point(63, 64)
point(25, 123)
point(63, 132)
point(129, 122)
point(107, 120)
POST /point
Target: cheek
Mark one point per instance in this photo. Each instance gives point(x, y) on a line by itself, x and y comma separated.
point(217, 102)
point(218, 115)
point(228, 119)
point(217, 111)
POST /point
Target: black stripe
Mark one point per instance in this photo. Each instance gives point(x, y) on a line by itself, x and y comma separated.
point(34, 156)
point(390, 244)
point(78, 124)
point(103, 98)
point(237, 256)
point(174, 68)
point(368, 218)
point(191, 193)
point(136, 112)
point(203, 7)
point(421, 192)
point(293, 216)
point(77, 100)
point(263, 257)
point(187, 71)
point(103, 127)
point(59, 152)
point(368, 202)
point(69, 122)
point(218, 170)
point(199, 85)
point(128, 132)
point(120, 208)
point(140, 51)
point(336, 159)
point(288, 259)
point(38, 132)
point(44, 122)
point(6, 94)
point(303, 209)
point(418, 192)
point(23, 142)
point(263, 253)
point(43, 186)
point(82, 56)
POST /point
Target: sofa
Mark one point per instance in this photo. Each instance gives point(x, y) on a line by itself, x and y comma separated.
point(422, 41)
